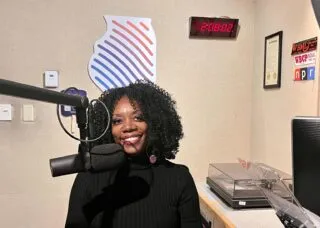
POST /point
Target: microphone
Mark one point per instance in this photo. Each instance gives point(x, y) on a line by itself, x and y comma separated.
point(101, 158)
point(107, 157)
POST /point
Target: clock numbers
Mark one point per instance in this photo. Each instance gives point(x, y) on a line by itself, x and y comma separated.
point(215, 27)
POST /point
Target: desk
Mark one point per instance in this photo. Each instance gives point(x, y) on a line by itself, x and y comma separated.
point(223, 216)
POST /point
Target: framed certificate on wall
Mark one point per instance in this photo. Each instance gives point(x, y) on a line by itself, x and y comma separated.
point(272, 60)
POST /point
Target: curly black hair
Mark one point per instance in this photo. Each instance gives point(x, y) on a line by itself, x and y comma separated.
point(158, 109)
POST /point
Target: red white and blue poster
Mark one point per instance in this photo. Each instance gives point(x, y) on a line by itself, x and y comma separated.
point(304, 54)
point(124, 54)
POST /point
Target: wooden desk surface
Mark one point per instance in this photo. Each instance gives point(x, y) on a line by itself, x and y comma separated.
point(225, 216)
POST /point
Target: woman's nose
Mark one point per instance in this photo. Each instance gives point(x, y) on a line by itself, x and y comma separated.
point(129, 125)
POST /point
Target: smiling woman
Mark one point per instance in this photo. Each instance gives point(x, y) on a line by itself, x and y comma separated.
point(137, 104)
point(128, 126)
point(148, 191)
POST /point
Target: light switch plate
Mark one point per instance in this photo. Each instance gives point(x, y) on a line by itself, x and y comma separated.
point(27, 113)
point(5, 112)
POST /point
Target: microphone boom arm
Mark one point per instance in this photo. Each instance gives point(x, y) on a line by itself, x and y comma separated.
point(68, 164)
point(32, 92)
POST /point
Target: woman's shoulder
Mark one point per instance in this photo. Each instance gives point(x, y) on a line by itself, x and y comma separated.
point(171, 167)
point(168, 164)
point(178, 175)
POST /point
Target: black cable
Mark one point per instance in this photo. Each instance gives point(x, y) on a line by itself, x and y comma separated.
point(67, 132)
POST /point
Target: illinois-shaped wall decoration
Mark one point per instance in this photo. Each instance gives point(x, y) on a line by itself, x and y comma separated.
point(125, 53)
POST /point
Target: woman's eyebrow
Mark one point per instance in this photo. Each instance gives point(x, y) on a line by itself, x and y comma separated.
point(116, 115)
point(137, 111)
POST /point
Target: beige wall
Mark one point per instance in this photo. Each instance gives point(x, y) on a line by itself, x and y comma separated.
point(217, 84)
point(272, 110)
point(210, 79)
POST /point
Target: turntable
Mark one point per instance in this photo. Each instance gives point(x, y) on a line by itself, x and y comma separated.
point(235, 186)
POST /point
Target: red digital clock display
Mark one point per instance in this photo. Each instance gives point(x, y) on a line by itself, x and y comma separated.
point(213, 27)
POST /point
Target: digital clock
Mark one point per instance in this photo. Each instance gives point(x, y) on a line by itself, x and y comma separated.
point(213, 27)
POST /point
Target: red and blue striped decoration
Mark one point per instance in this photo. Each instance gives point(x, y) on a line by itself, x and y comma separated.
point(125, 53)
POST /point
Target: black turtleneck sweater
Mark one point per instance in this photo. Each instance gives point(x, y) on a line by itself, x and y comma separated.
point(138, 195)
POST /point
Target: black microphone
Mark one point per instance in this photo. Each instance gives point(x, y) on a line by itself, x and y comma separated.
point(107, 157)
point(101, 158)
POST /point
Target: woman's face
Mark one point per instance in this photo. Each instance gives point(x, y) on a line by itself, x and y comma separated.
point(128, 127)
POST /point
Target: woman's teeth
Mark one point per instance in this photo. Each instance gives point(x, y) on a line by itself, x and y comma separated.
point(131, 140)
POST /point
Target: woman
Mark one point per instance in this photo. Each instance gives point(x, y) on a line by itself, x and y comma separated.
point(148, 191)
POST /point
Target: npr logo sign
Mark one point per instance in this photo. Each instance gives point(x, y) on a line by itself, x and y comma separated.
point(306, 73)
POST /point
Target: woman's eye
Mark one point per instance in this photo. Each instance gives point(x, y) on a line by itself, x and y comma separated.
point(116, 121)
point(139, 118)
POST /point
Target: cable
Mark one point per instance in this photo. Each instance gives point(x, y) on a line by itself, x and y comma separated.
point(67, 132)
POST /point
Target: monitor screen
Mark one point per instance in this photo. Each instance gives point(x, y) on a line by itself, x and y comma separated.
point(306, 162)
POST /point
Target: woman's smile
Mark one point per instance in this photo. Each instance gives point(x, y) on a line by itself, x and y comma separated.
point(128, 126)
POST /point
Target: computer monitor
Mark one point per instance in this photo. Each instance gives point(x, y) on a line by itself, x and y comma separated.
point(306, 162)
